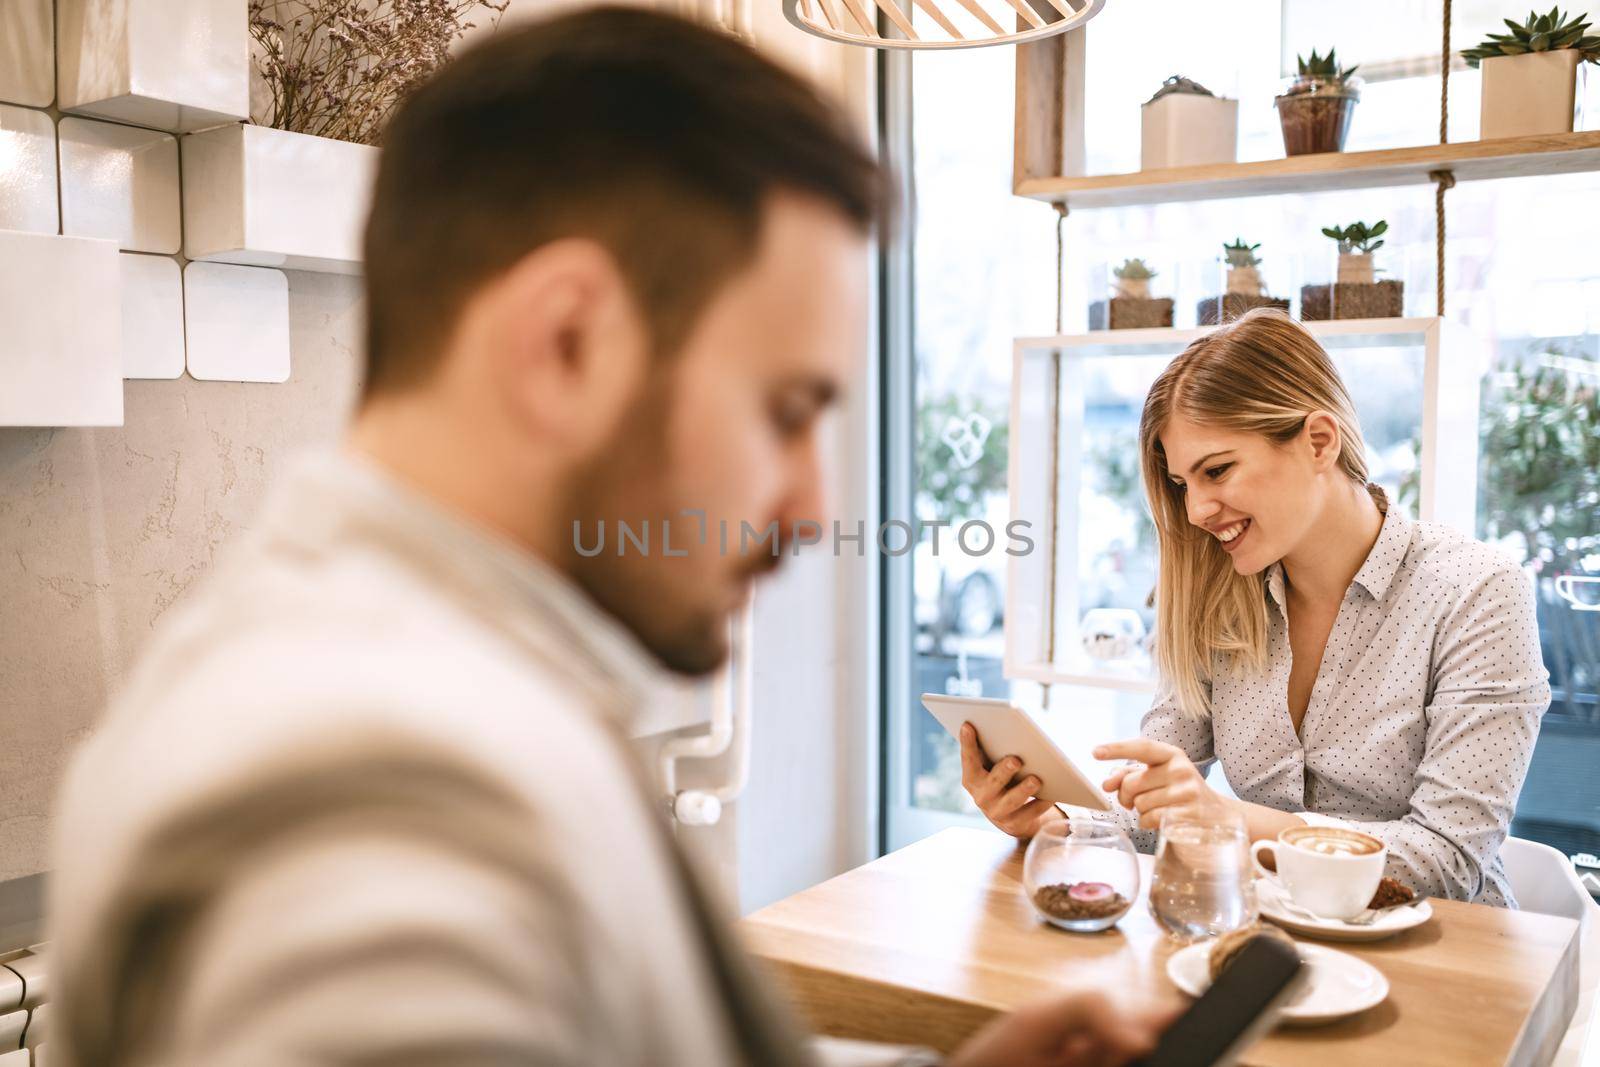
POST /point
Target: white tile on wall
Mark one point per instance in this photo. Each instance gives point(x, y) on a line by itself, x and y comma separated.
point(27, 52)
point(152, 317)
point(61, 343)
point(167, 64)
point(27, 170)
point(236, 321)
point(120, 183)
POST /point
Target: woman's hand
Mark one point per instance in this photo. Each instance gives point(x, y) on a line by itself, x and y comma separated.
point(1168, 782)
point(1005, 800)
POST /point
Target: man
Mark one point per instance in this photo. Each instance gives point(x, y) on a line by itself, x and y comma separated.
point(367, 798)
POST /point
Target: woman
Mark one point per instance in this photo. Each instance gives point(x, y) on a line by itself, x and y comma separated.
point(1345, 665)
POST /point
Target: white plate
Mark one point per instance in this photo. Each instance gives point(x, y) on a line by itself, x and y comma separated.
point(1274, 906)
point(1337, 984)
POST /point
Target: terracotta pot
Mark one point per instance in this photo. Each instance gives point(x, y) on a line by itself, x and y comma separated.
point(1315, 115)
point(1530, 94)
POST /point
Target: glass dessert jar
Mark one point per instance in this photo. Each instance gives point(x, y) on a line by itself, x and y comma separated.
point(1081, 874)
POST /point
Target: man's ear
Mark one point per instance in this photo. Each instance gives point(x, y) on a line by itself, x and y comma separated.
point(566, 346)
point(1322, 433)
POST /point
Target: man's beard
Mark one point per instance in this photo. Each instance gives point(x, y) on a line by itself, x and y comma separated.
point(648, 592)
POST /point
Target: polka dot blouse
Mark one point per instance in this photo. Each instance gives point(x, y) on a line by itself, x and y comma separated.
point(1422, 718)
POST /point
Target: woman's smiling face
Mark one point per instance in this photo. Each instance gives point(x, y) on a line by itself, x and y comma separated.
point(1256, 498)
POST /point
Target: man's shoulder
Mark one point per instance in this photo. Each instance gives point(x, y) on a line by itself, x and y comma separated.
point(271, 661)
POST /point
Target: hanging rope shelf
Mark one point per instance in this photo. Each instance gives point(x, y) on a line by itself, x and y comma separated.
point(1443, 180)
point(852, 21)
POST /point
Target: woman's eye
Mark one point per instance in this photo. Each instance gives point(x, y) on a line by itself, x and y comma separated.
point(1217, 472)
point(1176, 484)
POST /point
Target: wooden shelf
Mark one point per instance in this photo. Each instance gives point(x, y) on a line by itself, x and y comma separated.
point(1512, 157)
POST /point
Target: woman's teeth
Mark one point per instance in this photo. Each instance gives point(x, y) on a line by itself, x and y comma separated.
point(1233, 531)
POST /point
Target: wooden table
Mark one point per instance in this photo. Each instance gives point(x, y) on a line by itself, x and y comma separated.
point(927, 944)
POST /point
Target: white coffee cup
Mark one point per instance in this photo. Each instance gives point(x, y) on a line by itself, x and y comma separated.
point(1328, 870)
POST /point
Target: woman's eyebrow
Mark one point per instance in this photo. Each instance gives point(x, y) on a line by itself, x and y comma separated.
point(1201, 461)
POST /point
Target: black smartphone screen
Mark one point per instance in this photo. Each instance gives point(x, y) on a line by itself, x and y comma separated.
point(1233, 1012)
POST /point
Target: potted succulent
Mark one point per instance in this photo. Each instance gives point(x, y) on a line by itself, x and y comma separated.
point(1315, 107)
point(1244, 288)
point(1186, 125)
point(1530, 75)
point(1355, 292)
point(1131, 305)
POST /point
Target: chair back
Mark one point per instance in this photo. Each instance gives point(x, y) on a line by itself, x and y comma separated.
point(1544, 880)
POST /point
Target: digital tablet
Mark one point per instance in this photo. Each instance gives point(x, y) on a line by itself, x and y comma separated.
point(1006, 730)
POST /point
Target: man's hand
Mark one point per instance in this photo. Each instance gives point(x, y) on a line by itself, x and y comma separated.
point(1167, 783)
point(1079, 1030)
point(1004, 799)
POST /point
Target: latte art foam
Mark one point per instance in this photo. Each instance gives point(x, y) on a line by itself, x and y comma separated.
point(1336, 846)
point(1331, 842)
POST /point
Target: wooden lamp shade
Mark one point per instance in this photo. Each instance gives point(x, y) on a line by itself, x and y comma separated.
point(855, 22)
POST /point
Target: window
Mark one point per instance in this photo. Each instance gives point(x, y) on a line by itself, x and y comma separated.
point(983, 272)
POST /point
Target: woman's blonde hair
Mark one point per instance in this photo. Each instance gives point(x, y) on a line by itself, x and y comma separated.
point(1263, 374)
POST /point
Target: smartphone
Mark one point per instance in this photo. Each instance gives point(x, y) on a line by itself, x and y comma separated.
point(1241, 1005)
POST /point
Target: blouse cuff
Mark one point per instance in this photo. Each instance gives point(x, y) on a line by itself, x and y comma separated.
point(1314, 819)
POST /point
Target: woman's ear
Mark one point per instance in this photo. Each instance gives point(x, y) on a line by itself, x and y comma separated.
point(1322, 434)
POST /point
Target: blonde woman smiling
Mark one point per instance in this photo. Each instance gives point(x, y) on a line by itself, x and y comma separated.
point(1345, 665)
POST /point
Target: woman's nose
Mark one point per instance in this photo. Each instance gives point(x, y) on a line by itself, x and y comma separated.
point(1202, 508)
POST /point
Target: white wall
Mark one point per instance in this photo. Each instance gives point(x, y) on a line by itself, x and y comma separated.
point(102, 530)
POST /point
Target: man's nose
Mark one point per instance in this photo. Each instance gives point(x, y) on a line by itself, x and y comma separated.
point(807, 500)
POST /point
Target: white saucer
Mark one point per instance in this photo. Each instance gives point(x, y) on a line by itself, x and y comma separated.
point(1273, 900)
point(1337, 984)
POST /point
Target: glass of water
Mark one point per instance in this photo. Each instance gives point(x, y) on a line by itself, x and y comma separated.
point(1202, 885)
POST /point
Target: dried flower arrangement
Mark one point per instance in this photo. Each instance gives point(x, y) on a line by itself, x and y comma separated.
point(338, 68)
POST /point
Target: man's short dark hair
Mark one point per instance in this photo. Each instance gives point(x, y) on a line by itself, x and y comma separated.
point(658, 138)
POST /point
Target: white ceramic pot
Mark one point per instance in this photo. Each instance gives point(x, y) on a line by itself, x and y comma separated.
point(61, 348)
point(1188, 130)
point(27, 52)
point(1355, 268)
point(120, 183)
point(269, 198)
point(1134, 288)
point(168, 64)
point(1529, 94)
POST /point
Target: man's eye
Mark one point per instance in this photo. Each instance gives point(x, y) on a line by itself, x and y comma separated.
point(790, 418)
